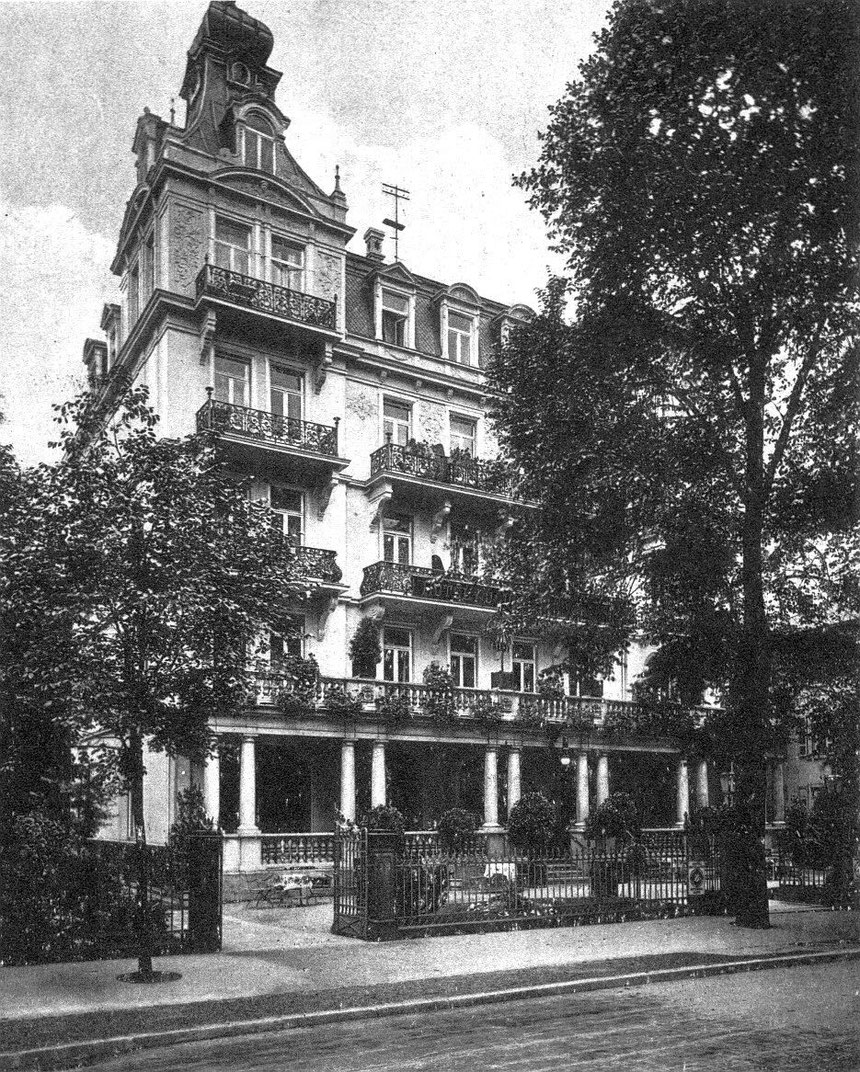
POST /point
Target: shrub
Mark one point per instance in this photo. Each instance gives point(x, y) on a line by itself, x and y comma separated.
point(393, 708)
point(301, 676)
point(534, 824)
point(456, 829)
point(384, 817)
point(438, 702)
point(617, 817)
point(341, 702)
point(364, 649)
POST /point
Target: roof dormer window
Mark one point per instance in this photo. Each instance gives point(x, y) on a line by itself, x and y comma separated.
point(258, 144)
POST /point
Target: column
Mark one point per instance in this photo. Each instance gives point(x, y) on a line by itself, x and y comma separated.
point(491, 789)
point(212, 786)
point(683, 800)
point(602, 778)
point(581, 790)
point(377, 774)
point(248, 786)
point(702, 797)
point(778, 793)
point(514, 781)
point(347, 780)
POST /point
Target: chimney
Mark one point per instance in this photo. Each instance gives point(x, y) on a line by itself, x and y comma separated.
point(373, 239)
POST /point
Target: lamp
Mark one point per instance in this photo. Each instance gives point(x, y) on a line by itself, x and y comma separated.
point(564, 758)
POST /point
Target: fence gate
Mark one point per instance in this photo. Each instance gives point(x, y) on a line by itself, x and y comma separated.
point(350, 883)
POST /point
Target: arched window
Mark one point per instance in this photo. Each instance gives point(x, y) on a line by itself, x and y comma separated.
point(258, 144)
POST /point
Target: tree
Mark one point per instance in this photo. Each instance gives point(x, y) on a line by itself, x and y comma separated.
point(690, 434)
point(154, 576)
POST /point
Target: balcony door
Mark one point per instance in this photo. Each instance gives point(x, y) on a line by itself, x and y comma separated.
point(287, 508)
point(464, 660)
point(465, 549)
point(524, 665)
point(232, 381)
point(286, 390)
point(397, 539)
point(396, 654)
point(288, 263)
point(396, 422)
point(232, 245)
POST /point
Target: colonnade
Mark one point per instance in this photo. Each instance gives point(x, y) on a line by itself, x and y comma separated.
point(248, 787)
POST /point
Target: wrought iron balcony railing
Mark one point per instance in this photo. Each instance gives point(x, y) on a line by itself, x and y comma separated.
point(216, 282)
point(420, 460)
point(319, 564)
point(398, 579)
point(258, 424)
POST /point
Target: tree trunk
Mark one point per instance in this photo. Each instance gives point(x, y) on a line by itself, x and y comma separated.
point(143, 913)
point(752, 677)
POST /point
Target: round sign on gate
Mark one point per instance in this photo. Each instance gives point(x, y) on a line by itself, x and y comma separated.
point(695, 880)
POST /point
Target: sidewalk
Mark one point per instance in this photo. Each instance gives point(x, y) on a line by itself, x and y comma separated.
point(285, 964)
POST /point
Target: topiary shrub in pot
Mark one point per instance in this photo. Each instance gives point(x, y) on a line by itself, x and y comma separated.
point(533, 824)
point(300, 678)
point(457, 830)
point(615, 828)
point(384, 817)
point(437, 701)
point(364, 649)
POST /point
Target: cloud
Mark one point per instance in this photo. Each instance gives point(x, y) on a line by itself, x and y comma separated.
point(56, 278)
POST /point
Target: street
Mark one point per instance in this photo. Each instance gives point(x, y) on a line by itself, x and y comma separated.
point(801, 1018)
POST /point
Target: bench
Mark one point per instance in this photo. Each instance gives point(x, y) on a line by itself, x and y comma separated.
point(293, 887)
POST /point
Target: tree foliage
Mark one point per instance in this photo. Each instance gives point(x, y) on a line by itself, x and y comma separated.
point(691, 435)
point(140, 578)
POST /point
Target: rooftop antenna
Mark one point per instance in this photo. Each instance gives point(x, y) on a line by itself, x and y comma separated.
point(399, 194)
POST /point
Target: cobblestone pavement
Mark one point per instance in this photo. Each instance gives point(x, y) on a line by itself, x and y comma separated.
point(783, 1020)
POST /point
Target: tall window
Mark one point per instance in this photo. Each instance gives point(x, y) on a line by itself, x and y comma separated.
point(396, 421)
point(285, 388)
point(288, 263)
point(232, 245)
point(460, 338)
point(465, 548)
point(148, 267)
point(463, 434)
point(288, 640)
point(133, 295)
point(231, 381)
point(258, 145)
point(395, 318)
point(583, 684)
point(524, 665)
point(397, 538)
point(287, 506)
point(464, 660)
point(396, 654)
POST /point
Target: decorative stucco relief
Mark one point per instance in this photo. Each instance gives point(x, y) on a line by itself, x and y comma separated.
point(432, 422)
point(361, 403)
point(187, 246)
point(327, 275)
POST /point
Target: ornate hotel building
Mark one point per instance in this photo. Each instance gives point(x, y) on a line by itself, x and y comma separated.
point(352, 390)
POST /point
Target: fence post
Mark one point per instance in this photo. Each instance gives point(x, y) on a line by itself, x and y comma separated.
point(384, 850)
point(204, 893)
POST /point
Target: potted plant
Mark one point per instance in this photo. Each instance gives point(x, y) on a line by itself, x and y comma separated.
point(385, 818)
point(341, 702)
point(300, 676)
point(364, 649)
point(615, 828)
point(438, 700)
point(485, 712)
point(393, 708)
point(456, 829)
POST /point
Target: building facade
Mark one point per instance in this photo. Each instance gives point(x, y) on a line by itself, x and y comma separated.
point(352, 390)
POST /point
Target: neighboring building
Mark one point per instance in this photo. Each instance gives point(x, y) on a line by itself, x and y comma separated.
point(352, 390)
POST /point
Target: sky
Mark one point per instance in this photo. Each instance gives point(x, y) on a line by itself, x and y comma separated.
point(443, 97)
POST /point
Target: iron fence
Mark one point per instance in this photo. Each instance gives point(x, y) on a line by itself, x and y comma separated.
point(416, 889)
point(185, 897)
point(792, 881)
point(350, 884)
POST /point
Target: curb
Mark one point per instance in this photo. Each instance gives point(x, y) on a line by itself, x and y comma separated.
point(75, 1054)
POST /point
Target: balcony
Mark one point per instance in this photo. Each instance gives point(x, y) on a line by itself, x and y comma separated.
point(416, 586)
point(307, 449)
point(414, 471)
point(317, 564)
point(245, 292)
